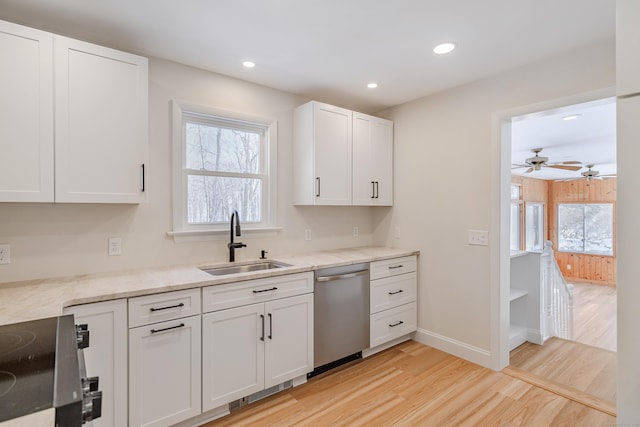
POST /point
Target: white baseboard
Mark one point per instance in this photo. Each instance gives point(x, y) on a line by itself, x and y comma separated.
point(457, 348)
point(371, 351)
point(205, 417)
point(534, 336)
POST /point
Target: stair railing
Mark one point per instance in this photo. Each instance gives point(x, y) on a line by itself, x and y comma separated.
point(557, 298)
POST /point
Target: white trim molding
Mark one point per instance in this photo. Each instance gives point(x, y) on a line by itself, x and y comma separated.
point(457, 348)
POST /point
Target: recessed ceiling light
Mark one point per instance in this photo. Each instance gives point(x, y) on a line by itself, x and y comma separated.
point(249, 64)
point(372, 85)
point(572, 117)
point(443, 48)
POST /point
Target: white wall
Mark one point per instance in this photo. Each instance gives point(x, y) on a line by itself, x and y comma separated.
point(445, 163)
point(49, 240)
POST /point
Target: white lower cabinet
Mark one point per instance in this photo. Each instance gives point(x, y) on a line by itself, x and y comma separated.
point(106, 356)
point(164, 358)
point(249, 348)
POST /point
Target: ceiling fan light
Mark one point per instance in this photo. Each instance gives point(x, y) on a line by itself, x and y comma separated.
point(444, 48)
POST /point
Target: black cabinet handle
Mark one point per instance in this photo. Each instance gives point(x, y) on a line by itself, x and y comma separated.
point(317, 186)
point(270, 326)
point(391, 267)
point(155, 331)
point(167, 308)
point(400, 322)
point(143, 177)
point(262, 319)
point(265, 290)
point(396, 292)
point(377, 189)
point(373, 189)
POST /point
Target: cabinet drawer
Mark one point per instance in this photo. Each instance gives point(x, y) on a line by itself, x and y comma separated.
point(393, 292)
point(393, 323)
point(162, 307)
point(393, 267)
point(228, 295)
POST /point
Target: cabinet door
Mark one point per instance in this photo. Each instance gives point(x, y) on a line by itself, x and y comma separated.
point(232, 354)
point(289, 339)
point(164, 372)
point(372, 161)
point(26, 114)
point(101, 124)
point(332, 151)
point(106, 356)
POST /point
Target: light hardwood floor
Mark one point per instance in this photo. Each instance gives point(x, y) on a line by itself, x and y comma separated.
point(415, 385)
point(595, 313)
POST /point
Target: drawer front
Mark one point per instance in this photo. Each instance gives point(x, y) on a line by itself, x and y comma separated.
point(393, 291)
point(229, 295)
point(162, 307)
point(393, 267)
point(393, 323)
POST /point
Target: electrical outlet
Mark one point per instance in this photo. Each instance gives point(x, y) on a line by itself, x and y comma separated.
point(115, 246)
point(568, 266)
point(5, 254)
point(479, 237)
point(355, 231)
point(307, 234)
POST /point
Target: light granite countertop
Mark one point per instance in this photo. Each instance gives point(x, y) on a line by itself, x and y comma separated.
point(35, 299)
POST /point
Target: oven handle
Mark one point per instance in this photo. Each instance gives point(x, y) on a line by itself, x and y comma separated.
point(341, 276)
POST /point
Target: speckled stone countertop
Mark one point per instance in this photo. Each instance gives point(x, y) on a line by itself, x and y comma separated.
point(35, 299)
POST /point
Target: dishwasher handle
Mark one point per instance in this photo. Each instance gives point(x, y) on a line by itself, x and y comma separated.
point(341, 276)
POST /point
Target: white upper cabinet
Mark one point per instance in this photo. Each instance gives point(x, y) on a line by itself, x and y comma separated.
point(322, 155)
point(98, 100)
point(627, 42)
point(101, 124)
point(341, 157)
point(372, 161)
point(26, 114)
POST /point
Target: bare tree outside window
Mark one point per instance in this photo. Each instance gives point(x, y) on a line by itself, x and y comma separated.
point(224, 171)
point(586, 228)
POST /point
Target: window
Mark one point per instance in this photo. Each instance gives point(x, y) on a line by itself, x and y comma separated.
point(534, 226)
point(516, 218)
point(222, 162)
point(586, 228)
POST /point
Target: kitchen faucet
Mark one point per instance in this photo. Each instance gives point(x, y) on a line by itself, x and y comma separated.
point(233, 246)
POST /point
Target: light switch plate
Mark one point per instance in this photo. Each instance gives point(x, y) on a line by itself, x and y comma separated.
point(478, 237)
point(115, 246)
point(5, 254)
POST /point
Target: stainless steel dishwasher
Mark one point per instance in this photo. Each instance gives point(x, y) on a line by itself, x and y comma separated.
point(341, 319)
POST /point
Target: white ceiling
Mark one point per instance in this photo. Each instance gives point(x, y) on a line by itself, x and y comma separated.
point(330, 49)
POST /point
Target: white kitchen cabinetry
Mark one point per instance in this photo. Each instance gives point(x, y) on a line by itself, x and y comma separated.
point(26, 114)
point(106, 356)
point(101, 124)
point(372, 161)
point(165, 360)
point(261, 338)
point(98, 99)
point(393, 299)
point(322, 153)
point(627, 42)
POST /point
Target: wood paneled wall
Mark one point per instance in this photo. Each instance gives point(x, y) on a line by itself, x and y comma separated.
point(586, 268)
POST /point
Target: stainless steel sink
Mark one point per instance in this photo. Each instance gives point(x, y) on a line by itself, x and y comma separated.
point(235, 269)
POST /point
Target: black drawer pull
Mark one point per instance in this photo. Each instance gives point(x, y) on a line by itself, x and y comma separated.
point(396, 292)
point(391, 267)
point(168, 307)
point(155, 331)
point(265, 290)
point(400, 322)
point(262, 319)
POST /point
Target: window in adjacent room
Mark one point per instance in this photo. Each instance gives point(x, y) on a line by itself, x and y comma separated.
point(534, 226)
point(586, 228)
point(222, 162)
point(516, 218)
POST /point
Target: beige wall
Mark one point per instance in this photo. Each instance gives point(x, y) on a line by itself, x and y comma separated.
point(50, 240)
point(445, 163)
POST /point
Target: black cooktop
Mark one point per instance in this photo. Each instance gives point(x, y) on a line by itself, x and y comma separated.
point(27, 367)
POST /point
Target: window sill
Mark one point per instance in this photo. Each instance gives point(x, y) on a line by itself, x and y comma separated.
point(198, 235)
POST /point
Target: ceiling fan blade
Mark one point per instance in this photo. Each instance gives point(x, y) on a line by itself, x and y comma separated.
point(565, 167)
point(516, 166)
point(566, 179)
point(571, 162)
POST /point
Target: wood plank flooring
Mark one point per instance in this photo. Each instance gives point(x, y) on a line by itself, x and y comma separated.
point(415, 385)
point(594, 318)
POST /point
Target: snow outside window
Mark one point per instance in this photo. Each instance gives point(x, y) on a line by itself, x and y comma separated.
point(586, 228)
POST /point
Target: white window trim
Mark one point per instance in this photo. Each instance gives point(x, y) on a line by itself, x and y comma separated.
point(583, 252)
point(182, 230)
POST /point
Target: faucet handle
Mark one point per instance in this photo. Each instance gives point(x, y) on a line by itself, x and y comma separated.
point(263, 254)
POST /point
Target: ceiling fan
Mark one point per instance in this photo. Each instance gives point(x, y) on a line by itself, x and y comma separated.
point(536, 162)
point(589, 175)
